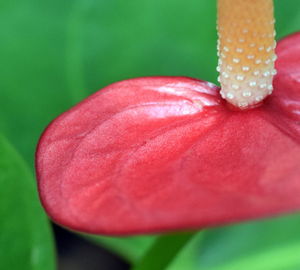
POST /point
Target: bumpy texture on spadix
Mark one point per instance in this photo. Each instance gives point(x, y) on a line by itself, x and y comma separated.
point(246, 50)
point(165, 153)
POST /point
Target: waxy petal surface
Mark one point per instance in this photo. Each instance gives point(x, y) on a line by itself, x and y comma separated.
point(285, 101)
point(165, 153)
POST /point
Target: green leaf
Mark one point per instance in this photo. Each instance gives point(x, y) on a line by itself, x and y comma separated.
point(287, 17)
point(55, 53)
point(163, 251)
point(25, 236)
point(262, 245)
point(130, 248)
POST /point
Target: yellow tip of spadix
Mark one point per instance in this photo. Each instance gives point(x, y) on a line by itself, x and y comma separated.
point(246, 49)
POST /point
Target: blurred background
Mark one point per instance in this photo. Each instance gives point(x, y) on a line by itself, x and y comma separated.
point(53, 54)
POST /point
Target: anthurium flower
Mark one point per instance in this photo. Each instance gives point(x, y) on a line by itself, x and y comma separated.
point(168, 153)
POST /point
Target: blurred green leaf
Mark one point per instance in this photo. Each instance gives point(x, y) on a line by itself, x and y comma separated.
point(287, 15)
point(25, 237)
point(33, 85)
point(130, 248)
point(163, 251)
point(54, 53)
point(262, 245)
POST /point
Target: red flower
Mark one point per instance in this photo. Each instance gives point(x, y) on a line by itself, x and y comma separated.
point(166, 153)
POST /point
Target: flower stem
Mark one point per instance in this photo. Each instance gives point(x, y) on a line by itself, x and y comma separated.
point(163, 251)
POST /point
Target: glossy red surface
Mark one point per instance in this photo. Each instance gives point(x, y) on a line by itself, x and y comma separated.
point(166, 153)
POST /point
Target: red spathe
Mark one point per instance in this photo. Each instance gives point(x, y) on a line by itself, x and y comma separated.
point(165, 153)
